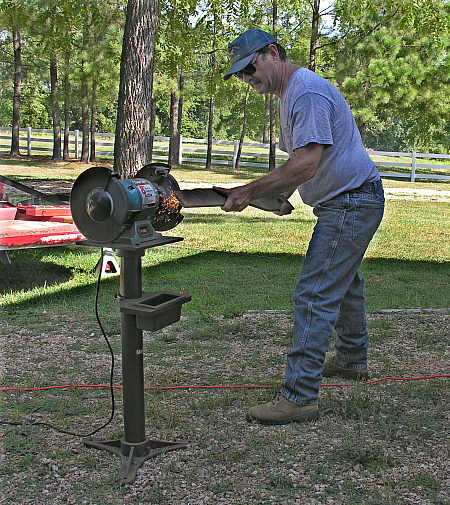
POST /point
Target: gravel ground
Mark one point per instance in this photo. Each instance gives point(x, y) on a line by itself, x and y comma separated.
point(381, 444)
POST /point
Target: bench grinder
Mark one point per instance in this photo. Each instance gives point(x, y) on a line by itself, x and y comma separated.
point(128, 215)
point(114, 211)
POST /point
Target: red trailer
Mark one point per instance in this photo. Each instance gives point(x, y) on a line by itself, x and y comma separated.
point(27, 226)
point(24, 228)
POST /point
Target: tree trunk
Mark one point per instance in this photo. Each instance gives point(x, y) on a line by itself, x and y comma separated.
point(173, 128)
point(180, 110)
point(362, 131)
point(266, 128)
point(152, 123)
point(56, 115)
point(362, 126)
point(314, 35)
point(152, 128)
point(237, 163)
point(84, 120)
point(210, 133)
point(176, 110)
point(272, 106)
point(212, 62)
point(17, 46)
point(272, 135)
point(132, 143)
point(66, 149)
point(93, 119)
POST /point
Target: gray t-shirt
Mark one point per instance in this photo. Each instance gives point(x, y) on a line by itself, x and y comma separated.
point(313, 110)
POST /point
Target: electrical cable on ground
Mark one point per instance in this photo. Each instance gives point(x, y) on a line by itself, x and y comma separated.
point(112, 387)
point(32, 422)
point(167, 388)
point(223, 386)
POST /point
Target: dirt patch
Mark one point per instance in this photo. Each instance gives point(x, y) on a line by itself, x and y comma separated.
point(378, 444)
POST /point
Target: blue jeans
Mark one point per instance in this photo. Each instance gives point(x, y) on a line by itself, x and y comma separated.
point(329, 294)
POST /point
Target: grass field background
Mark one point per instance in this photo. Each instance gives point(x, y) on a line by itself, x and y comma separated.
point(40, 167)
point(233, 262)
point(42, 143)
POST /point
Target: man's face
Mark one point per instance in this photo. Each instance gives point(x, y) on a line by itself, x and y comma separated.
point(260, 74)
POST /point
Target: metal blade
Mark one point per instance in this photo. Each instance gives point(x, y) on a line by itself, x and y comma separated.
point(200, 197)
point(31, 191)
point(205, 197)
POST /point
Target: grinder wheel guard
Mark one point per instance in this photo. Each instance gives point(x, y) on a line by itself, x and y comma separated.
point(104, 206)
point(168, 214)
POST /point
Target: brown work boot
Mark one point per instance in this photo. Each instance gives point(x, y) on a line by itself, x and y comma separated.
point(282, 411)
point(332, 369)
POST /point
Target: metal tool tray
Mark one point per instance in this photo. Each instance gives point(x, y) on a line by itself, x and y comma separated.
point(155, 310)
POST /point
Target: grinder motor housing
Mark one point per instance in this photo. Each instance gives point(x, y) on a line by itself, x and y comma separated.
point(110, 210)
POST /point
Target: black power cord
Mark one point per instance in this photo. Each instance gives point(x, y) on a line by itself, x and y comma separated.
point(32, 422)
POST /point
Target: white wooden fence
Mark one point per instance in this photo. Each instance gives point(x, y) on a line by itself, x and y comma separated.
point(34, 141)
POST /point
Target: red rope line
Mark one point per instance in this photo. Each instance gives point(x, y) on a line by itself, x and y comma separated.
point(232, 386)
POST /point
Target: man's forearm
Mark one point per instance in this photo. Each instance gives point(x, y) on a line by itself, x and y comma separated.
point(283, 179)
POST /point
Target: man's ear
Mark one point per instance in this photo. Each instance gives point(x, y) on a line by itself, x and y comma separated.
point(273, 51)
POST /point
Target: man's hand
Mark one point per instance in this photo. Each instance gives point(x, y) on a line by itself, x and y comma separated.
point(285, 209)
point(237, 198)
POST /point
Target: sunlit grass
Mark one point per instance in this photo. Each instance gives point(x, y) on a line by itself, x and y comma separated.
point(231, 262)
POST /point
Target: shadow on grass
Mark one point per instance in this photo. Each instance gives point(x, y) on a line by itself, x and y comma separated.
point(47, 179)
point(242, 219)
point(230, 283)
point(37, 161)
point(48, 163)
point(27, 272)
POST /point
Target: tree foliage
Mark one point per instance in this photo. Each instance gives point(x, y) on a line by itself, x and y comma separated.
point(393, 65)
point(389, 57)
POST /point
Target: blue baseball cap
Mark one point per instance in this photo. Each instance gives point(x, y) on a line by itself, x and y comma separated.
point(243, 49)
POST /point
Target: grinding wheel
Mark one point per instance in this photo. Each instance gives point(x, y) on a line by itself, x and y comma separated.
point(150, 172)
point(99, 205)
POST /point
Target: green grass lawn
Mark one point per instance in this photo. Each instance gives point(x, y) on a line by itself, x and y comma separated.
point(231, 263)
point(39, 167)
point(235, 262)
point(256, 153)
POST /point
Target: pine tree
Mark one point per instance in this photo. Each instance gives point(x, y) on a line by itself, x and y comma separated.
point(131, 149)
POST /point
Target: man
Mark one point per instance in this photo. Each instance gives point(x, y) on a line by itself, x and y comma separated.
point(333, 173)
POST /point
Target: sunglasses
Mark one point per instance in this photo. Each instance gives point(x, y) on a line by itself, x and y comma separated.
point(250, 69)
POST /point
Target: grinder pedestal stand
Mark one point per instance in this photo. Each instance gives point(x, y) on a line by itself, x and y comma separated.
point(134, 448)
